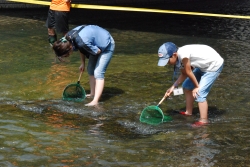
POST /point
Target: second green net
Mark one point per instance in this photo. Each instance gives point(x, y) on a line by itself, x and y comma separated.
point(153, 115)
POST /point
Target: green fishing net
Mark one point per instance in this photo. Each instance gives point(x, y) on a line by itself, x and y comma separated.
point(153, 115)
point(74, 92)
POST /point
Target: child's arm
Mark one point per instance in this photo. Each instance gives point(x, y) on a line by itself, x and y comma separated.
point(189, 73)
point(180, 79)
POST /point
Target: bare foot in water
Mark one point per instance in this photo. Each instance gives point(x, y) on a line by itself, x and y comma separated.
point(93, 103)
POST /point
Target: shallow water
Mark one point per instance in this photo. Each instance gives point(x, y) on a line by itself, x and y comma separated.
point(39, 129)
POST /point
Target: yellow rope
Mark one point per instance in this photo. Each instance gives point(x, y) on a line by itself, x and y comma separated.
point(101, 7)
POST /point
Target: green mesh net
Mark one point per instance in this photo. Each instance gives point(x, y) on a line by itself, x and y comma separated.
point(74, 92)
point(153, 115)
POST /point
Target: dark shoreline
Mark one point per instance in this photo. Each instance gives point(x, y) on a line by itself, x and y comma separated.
point(175, 24)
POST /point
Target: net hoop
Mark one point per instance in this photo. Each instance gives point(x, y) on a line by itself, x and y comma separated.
point(153, 118)
point(153, 115)
point(80, 98)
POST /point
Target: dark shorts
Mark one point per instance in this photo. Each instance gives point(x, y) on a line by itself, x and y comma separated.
point(58, 20)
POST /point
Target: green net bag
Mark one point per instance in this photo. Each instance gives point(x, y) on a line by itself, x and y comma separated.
point(153, 115)
point(74, 92)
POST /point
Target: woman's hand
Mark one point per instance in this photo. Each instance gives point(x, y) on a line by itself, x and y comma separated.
point(82, 68)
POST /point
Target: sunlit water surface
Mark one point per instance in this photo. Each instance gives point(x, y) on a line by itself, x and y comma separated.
point(39, 129)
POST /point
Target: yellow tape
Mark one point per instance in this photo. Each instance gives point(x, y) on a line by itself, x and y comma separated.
point(101, 7)
point(32, 2)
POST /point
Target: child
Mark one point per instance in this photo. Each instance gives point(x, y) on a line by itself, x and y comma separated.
point(94, 43)
point(200, 65)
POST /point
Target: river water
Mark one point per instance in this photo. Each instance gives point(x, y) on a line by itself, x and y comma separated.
point(39, 129)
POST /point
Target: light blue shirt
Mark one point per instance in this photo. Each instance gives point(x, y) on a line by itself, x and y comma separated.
point(93, 38)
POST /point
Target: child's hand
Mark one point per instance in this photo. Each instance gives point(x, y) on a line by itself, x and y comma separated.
point(195, 92)
point(169, 91)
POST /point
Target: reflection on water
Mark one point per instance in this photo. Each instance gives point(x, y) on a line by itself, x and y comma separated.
point(39, 129)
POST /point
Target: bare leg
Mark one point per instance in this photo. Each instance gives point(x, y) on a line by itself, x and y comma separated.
point(203, 107)
point(189, 102)
point(92, 86)
point(98, 92)
point(52, 37)
point(51, 31)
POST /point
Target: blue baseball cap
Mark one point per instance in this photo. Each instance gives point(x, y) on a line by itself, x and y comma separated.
point(165, 52)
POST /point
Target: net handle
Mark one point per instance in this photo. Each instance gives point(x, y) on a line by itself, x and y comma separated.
point(162, 100)
point(79, 77)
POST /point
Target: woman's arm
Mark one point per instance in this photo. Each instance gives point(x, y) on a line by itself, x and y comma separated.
point(82, 66)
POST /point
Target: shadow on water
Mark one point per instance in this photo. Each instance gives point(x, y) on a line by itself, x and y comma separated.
point(213, 112)
point(110, 92)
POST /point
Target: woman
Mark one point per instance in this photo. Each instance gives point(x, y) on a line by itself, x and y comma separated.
point(94, 43)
